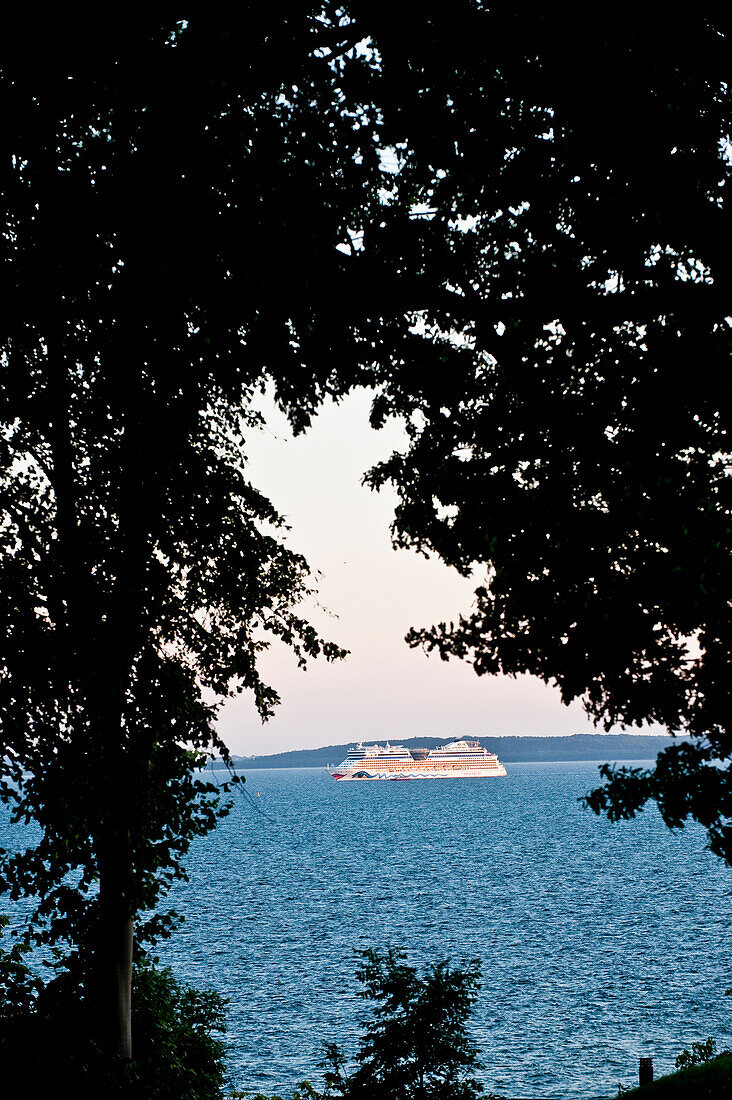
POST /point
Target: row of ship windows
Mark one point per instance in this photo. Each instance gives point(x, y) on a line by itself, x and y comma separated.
point(435, 763)
point(441, 756)
point(409, 760)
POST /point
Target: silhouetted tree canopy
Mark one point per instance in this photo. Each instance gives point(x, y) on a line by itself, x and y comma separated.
point(567, 391)
point(174, 199)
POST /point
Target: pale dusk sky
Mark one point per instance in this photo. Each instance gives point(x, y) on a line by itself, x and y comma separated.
point(383, 690)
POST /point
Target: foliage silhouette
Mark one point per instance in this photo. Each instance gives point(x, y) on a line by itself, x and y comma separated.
point(416, 1043)
point(567, 394)
point(166, 249)
point(699, 1054)
point(44, 1037)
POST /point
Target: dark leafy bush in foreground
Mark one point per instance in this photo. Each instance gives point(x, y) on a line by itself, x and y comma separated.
point(174, 1029)
point(45, 1050)
point(416, 1045)
point(698, 1055)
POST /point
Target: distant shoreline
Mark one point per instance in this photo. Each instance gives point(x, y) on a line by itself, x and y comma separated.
point(575, 748)
point(323, 767)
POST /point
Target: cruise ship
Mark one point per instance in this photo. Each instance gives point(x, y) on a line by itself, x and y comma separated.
point(458, 760)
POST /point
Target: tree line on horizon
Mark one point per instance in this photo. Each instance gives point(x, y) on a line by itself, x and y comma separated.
point(600, 745)
point(511, 228)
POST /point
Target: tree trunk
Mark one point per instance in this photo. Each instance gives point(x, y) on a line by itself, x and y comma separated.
point(113, 964)
point(111, 976)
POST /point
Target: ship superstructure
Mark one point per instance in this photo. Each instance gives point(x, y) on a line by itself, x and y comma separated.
point(458, 760)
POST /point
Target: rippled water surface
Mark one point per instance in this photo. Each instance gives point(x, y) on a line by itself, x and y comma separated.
point(599, 942)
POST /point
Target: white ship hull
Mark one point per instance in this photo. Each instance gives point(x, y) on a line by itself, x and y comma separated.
point(362, 775)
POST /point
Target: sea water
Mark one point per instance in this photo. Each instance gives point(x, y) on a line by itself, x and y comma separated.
point(599, 943)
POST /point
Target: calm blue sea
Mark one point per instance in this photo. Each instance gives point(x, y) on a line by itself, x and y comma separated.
point(599, 942)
